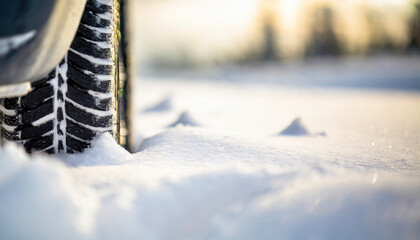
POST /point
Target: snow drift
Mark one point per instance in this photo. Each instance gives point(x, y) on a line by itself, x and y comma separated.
point(174, 194)
point(230, 176)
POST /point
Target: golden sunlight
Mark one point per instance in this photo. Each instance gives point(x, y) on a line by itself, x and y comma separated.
point(208, 31)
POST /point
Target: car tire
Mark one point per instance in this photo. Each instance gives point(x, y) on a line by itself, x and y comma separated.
point(79, 99)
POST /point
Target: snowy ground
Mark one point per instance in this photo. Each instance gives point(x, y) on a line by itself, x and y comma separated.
point(219, 160)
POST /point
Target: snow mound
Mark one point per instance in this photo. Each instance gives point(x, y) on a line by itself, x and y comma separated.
point(296, 128)
point(39, 199)
point(210, 148)
point(228, 182)
point(185, 119)
point(162, 106)
point(226, 187)
point(104, 151)
point(198, 145)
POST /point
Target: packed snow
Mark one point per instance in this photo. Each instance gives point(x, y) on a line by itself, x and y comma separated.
point(210, 164)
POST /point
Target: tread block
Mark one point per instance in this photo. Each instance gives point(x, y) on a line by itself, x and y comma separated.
point(91, 19)
point(31, 132)
point(50, 150)
point(10, 120)
point(12, 136)
point(11, 103)
point(70, 151)
point(93, 35)
point(31, 115)
point(37, 96)
point(83, 63)
point(75, 76)
point(87, 118)
point(85, 47)
point(83, 98)
point(75, 144)
point(80, 131)
point(97, 7)
point(60, 115)
point(39, 143)
point(60, 146)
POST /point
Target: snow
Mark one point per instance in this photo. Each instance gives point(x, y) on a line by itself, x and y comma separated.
point(164, 105)
point(230, 175)
point(296, 128)
point(104, 151)
point(184, 119)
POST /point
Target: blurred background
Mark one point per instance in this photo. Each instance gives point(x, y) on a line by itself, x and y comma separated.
point(203, 33)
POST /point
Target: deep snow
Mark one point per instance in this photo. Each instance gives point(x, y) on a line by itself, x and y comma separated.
point(230, 175)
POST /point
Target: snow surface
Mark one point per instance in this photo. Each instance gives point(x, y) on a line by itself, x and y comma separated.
point(164, 105)
point(185, 119)
point(231, 176)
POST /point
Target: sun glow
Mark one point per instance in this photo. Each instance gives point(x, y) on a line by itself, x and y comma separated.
point(213, 30)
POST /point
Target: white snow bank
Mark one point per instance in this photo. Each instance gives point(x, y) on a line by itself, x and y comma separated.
point(38, 199)
point(104, 151)
point(366, 130)
point(207, 148)
point(230, 178)
point(42, 199)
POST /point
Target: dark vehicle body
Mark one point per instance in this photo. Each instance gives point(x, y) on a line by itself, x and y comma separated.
point(34, 36)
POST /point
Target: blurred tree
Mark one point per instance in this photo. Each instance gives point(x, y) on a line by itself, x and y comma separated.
point(269, 49)
point(414, 33)
point(379, 39)
point(266, 29)
point(323, 40)
point(269, 23)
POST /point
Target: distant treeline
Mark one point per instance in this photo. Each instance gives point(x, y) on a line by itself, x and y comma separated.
point(192, 33)
point(333, 28)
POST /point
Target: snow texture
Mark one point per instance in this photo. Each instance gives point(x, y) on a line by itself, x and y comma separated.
point(230, 176)
point(184, 193)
